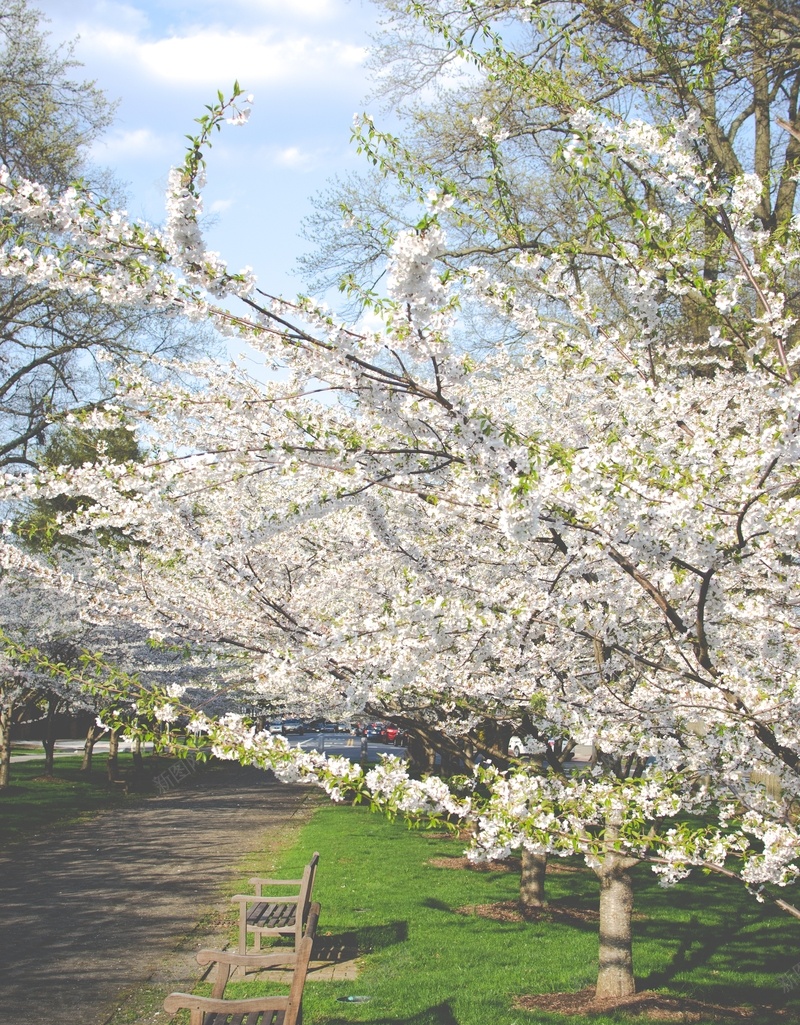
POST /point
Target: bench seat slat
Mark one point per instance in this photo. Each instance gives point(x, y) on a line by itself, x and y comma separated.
point(253, 1018)
point(272, 916)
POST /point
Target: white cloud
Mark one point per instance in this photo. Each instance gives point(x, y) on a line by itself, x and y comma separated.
point(307, 9)
point(293, 157)
point(133, 144)
point(133, 19)
point(208, 57)
point(219, 206)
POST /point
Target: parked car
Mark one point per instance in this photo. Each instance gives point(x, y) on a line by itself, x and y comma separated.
point(291, 726)
point(526, 747)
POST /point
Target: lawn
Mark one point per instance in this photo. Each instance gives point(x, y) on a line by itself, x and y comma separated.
point(426, 960)
point(426, 954)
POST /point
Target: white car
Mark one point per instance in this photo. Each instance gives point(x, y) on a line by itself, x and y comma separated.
point(526, 747)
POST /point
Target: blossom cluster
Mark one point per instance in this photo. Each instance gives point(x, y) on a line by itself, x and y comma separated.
point(556, 531)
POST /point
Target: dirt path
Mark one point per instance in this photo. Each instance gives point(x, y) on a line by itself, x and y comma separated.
point(101, 913)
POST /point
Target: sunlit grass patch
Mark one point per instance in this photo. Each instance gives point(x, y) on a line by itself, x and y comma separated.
point(424, 957)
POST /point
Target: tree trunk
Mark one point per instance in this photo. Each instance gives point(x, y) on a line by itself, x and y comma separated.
point(787, 190)
point(49, 741)
point(615, 971)
point(762, 127)
point(421, 752)
point(94, 733)
point(113, 751)
point(136, 752)
point(531, 880)
point(6, 712)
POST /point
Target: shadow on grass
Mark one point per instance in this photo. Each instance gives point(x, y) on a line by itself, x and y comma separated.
point(366, 940)
point(437, 905)
point(439, 1014)
point(716, 945)
point(696, 947)
point(560, 911)
point(735, 950)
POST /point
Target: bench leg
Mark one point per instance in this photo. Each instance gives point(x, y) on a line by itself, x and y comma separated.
point(221, 981)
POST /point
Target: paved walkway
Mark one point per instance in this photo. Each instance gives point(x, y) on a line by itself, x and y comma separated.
point(98, 911)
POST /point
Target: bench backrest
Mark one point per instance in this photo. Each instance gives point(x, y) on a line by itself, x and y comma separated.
point(304, 949)
point(304, 902)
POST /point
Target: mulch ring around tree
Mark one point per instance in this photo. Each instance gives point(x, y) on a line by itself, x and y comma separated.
point(515, 911)
point(554, 867)
point(509, 865)
point(648, 1004)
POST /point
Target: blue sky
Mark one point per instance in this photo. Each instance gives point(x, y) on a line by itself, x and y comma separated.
point(165, 59)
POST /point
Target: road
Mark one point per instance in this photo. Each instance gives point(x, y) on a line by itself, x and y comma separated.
point(346, 745)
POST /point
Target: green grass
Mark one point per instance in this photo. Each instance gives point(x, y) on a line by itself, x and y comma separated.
point(34, 804)
point(423, 963)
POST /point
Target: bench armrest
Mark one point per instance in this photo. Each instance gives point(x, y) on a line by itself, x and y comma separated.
point(231, 957)
point(274, 882)
point(254, 898)
point(177, 1001)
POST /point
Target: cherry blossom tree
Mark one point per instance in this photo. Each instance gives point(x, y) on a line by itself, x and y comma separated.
point(578, 532)
point(27, 692)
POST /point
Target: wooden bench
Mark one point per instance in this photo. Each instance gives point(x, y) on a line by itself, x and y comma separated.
point(279, 916)
point(272, 1010)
